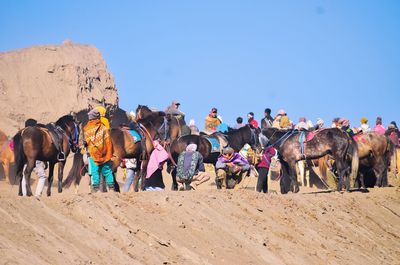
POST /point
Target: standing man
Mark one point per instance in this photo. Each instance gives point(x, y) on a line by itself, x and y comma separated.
point(98, 141)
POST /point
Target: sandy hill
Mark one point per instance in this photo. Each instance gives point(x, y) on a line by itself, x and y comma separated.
point(46, 82)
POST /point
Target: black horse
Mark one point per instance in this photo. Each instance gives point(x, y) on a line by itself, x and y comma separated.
point(330, 141)
point(36, 143)
point(234, 138)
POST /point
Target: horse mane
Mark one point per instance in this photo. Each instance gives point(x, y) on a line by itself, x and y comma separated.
point(64, 120)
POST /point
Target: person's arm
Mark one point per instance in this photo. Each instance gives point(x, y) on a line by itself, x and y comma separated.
point(220, 165)
point(200, 164)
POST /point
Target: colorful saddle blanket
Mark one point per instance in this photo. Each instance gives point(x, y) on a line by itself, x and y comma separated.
point(135, 135)
point(215, 145)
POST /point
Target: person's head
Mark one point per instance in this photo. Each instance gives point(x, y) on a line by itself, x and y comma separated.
point(344, 122)
point(363, 120)
point(320, 122)
point(214, 112)
point(393, 123)
point(192, 122)
point(131, 115)
point(281, 112)
point(239, 120)
point(378, 121)
point(250, 116)
point(191, 147)
point(228, 152)
point(30, 122)
point(175, 104)
point(102, 110)
point(267, 112)
point(94, 114)
point(302, 119)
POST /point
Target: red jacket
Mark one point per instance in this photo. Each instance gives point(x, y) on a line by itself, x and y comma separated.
point(266, 157)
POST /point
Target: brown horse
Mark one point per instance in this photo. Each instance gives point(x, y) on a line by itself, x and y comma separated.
point(328, 141)
point(373, 150)
point(35, 143)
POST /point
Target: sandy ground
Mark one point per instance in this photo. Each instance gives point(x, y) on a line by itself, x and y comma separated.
point(205, 226)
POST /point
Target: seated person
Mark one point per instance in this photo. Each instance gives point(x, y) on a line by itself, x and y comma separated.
point(231, 168)
point(190, 168)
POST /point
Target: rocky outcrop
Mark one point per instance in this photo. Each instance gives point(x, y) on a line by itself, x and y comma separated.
point(47, 82)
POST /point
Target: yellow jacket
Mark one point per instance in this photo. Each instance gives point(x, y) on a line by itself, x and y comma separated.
point(98, 140)
point(211, 123)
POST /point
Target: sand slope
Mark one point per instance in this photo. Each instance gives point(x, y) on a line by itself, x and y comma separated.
point(201, 227)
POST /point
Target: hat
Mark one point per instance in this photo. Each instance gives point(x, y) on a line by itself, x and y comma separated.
point(281, 112)
point(250, 115)
point(344, 122)
point(175, 102)
point(214, 110)
point(302, 119)
point(320, 121)
point(336, 120)
point(94, 114)
point(191, 147)
point(363, 120)
point(102, 110)
point(228, 150)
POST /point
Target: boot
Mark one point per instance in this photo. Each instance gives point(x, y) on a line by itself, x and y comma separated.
point(94, 189)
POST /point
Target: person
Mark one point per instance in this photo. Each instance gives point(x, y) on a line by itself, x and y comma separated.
point(364, 127)
point(40, 169)
point(173, 109)
point(190, 168)
point(251, 120)
point(239, 123)
point(335, 123)
point(222, 127)
point(267, 121)
point(345, 126)
point(231, 168)
point(131, 168)
point(154, 179)
point(263, 168)
point(212, 121)
point(99, 146)
point(379, 127)
point(193, 128)
point(319, 125)
point(102, 110)
point(394, 134)
point(302, 125)
point(281, 120)
point(285, 123)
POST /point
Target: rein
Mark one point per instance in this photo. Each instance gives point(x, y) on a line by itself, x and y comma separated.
point(282, 139)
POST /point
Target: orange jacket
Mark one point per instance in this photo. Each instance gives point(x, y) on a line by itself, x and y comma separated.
point(99, 143)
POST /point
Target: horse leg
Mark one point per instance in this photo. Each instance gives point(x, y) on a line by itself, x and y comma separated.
point(60, 175)
point(50, 179)
point(6, 169)
point(174, 182)
point(379, 170)
point(294, 185)
point(143, 173)
point(341, 168)
point(285, 179)
point(300, 166)
point(27, 176)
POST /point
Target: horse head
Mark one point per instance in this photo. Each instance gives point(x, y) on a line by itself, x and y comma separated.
point(72, 130)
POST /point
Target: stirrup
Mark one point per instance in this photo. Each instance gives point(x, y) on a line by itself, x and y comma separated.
point(61, 156)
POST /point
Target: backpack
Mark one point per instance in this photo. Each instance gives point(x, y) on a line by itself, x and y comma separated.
point(187, 176)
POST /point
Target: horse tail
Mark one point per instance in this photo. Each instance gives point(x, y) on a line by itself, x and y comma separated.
point(19, 155)
point(353, 152)
point(323, 166)
point(75, 172)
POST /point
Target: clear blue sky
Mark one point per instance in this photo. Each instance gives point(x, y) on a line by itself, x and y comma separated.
point(312, 58)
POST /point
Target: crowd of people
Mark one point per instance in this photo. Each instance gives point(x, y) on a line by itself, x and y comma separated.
point(231, 166)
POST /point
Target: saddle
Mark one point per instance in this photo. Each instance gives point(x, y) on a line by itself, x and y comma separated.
point(138, 135)
point(360, 138)
point(218, 141)
point(56, 134)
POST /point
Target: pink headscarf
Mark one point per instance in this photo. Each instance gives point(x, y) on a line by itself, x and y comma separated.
point(157, 157)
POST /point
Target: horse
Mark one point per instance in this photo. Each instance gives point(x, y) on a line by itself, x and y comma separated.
point(373, 150)
point(124, 146)
point(330, 141)
point(35, 143)
point(235, 138)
